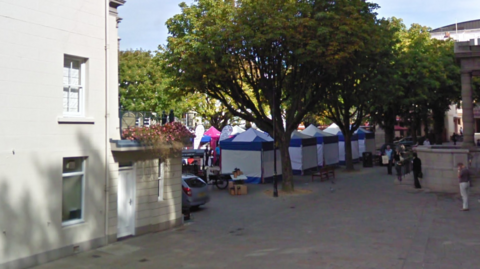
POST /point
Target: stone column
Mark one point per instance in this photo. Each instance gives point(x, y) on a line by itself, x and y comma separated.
point(467, 113)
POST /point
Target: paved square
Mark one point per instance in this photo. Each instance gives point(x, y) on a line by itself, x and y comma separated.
point(363, 221)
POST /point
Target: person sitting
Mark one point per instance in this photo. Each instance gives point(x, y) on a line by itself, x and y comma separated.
point(426, 142)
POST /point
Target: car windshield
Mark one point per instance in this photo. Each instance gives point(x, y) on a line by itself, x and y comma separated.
point(194, 182)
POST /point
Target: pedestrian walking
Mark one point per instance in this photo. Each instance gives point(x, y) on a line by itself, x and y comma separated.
point(217, 152)
point(207, 155)
point(389, 153)
point(464, 181)
point(454, 138)
point(417, 170)
point(397, 160)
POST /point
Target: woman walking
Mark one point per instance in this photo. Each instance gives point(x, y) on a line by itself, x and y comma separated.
point(417, 169)
point(464, 180)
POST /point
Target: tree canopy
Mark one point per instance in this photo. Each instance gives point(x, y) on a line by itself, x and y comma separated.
point(362, 83)
point(274, 58)
point(426, 80)
point(145, 86)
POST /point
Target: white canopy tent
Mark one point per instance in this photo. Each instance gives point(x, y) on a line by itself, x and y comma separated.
point(237, 130)
point(252, 152)
point(327, 146)
point(303, 153)
point(366, 141)
point(334, 129)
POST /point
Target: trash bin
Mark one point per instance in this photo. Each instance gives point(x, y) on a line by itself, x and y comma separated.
point(367, 159)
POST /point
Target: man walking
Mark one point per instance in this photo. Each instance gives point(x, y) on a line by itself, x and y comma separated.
point(417, 169)
point(464, 180)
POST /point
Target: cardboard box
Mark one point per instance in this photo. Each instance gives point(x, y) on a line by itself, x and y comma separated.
point(238, 189)
point(243, 189)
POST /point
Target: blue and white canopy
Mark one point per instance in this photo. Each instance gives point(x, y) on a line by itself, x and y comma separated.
point(249, 140)
point(334, 129)
point(327, 146)
point(303, 152)
point(252, 152)
point(366, 141)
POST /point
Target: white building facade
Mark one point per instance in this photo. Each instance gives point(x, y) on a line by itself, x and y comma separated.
point(61, 188)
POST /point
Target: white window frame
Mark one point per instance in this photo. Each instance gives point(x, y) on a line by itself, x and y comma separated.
point(72, 174)
point(81, 86)
point(161, 179)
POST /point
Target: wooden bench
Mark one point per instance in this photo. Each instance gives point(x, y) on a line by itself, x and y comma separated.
point(324, 173)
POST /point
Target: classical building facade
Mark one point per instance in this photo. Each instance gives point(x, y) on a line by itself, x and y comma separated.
point(63, 189)
point(462, 31)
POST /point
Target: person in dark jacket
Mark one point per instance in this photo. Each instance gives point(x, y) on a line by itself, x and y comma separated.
point(397, 160)
point(417, 169)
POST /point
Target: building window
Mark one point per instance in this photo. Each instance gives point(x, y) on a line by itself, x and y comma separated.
point(161, 179)
point(73, 190)
point(73, 86)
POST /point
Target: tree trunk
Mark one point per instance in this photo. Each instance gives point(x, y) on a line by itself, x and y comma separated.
point(348, 151)
point(425, 124)
point(438, 125)
point(287, 173)
point(389, 133)
point(414, 127)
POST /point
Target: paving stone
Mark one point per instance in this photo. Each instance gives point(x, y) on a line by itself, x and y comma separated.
point(369, 222)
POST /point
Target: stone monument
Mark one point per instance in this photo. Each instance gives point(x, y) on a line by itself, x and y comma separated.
point(439, 163)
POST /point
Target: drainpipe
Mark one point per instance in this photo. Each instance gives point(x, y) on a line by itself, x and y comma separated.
point(107, 187)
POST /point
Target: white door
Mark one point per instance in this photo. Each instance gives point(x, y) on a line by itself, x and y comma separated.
point(126, 203)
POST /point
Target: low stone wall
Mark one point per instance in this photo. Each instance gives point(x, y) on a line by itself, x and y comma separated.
point(439, 167)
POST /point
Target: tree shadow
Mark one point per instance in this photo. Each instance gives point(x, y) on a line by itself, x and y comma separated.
point(31, 229)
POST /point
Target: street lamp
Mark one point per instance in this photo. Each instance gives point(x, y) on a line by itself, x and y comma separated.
point(275, 189)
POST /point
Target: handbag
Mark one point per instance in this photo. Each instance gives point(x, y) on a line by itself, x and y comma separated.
point(420, 175)
point(384, 159)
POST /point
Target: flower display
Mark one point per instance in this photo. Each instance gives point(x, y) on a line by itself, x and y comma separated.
point(157, 135)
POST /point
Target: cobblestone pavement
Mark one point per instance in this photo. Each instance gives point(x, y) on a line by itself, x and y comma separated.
point(364, 220)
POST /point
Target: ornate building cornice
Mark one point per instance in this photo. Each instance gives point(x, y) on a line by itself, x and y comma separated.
point(114, 4)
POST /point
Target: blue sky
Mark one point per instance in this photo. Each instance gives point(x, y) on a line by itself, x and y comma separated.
point(143, 24)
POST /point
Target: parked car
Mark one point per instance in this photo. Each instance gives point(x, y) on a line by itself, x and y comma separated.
point(407, 141)
point(194, 191)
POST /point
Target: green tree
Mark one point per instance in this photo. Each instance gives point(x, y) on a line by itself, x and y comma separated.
point(426, 78)
point(386, 107)
point(361, 83)
point(213, 111)
point(447, 91)
point(272, 57)
point(142, 83)
point(145, 86)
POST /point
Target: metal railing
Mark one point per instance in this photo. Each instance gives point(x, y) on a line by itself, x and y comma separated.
point(142, 118)
point(138, 118)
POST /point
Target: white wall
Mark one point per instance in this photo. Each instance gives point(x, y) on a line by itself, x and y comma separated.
point(35, 37)
point(461, 35)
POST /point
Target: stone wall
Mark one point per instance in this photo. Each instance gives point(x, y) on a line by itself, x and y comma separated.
point(439, 167)
point(152, 214)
